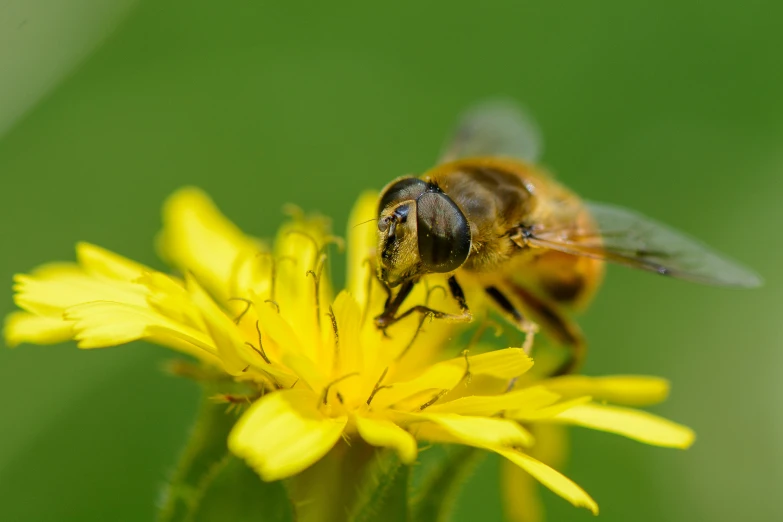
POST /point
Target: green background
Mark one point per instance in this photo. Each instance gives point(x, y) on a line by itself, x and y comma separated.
point(672, 108)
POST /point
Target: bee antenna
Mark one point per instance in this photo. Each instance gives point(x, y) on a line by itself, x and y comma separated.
point(364, 222)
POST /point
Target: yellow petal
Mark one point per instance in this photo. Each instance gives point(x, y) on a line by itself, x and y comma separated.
point(298, 256)
point(52, 288)
point(521, 501)
point(253, 274)
point(635, 424)
point(284, 343)
point(362, 239)
point(552, 479)
point(283, 433)
point(546, 412)
point(24, 327)
point(101, 324)
point(440, 376)
point(197, 238)
point(503, 364)
point(481, 432)
point(384, 433)
point(99, 261)
point(168, 296)
point(278, 330)
point(225, 334)
point(631, 390)
point(348, 347)
point(527, 398)
point(306, 370)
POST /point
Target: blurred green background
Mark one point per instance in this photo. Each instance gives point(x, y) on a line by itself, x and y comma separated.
point(674, 108)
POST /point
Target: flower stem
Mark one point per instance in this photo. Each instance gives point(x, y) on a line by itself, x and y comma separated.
point(205, 448)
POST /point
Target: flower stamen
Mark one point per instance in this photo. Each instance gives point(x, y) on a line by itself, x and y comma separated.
point(481, 328)
point(236, 402)
point(273, 269)
point(336, 335)
point(337, 241)
point(431, 290)
point(317, 281)
point(433, 400)
point(467, 377)
point(328, 387)
point(260, 350)
point(248, 304)
point(316, 248)
point(271, 378)
point(378, 386)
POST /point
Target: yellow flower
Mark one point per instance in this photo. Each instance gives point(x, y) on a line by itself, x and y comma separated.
point(520, 496)
point(317, 367)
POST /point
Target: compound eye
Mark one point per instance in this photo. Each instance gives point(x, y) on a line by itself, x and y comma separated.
point(405, 189)
point(443, 233)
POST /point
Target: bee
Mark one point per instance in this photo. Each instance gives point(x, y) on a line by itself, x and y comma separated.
point(488, 213)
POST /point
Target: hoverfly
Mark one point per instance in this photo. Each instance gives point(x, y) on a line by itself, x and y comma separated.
point(488, 213)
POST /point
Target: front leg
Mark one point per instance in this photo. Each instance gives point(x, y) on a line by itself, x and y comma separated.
point(388, 318)
point(392, 305)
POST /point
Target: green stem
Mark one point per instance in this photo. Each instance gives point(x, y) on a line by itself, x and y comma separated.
point(205, 448)
point(438, 493)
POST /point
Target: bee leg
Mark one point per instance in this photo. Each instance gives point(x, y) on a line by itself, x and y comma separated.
point(560, 327)
point(523, 324)
point(465, 316)
point(459, 296)
point(391, 306)
point(387, 289)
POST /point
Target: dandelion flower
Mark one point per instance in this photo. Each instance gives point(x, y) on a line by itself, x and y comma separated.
point(318, 369)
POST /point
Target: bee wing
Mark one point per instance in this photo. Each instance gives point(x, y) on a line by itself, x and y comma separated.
point(496, 127)
point(630, 239)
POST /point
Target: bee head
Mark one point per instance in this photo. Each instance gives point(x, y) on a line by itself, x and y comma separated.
point(420, 231)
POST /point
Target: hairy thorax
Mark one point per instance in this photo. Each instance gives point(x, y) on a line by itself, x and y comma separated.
point(495, 202)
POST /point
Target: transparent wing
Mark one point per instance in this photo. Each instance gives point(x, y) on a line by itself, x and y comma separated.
point(630, 239)
point(496, 127)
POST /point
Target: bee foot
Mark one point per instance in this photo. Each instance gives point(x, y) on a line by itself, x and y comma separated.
point(382, 322)
point(530, 329)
